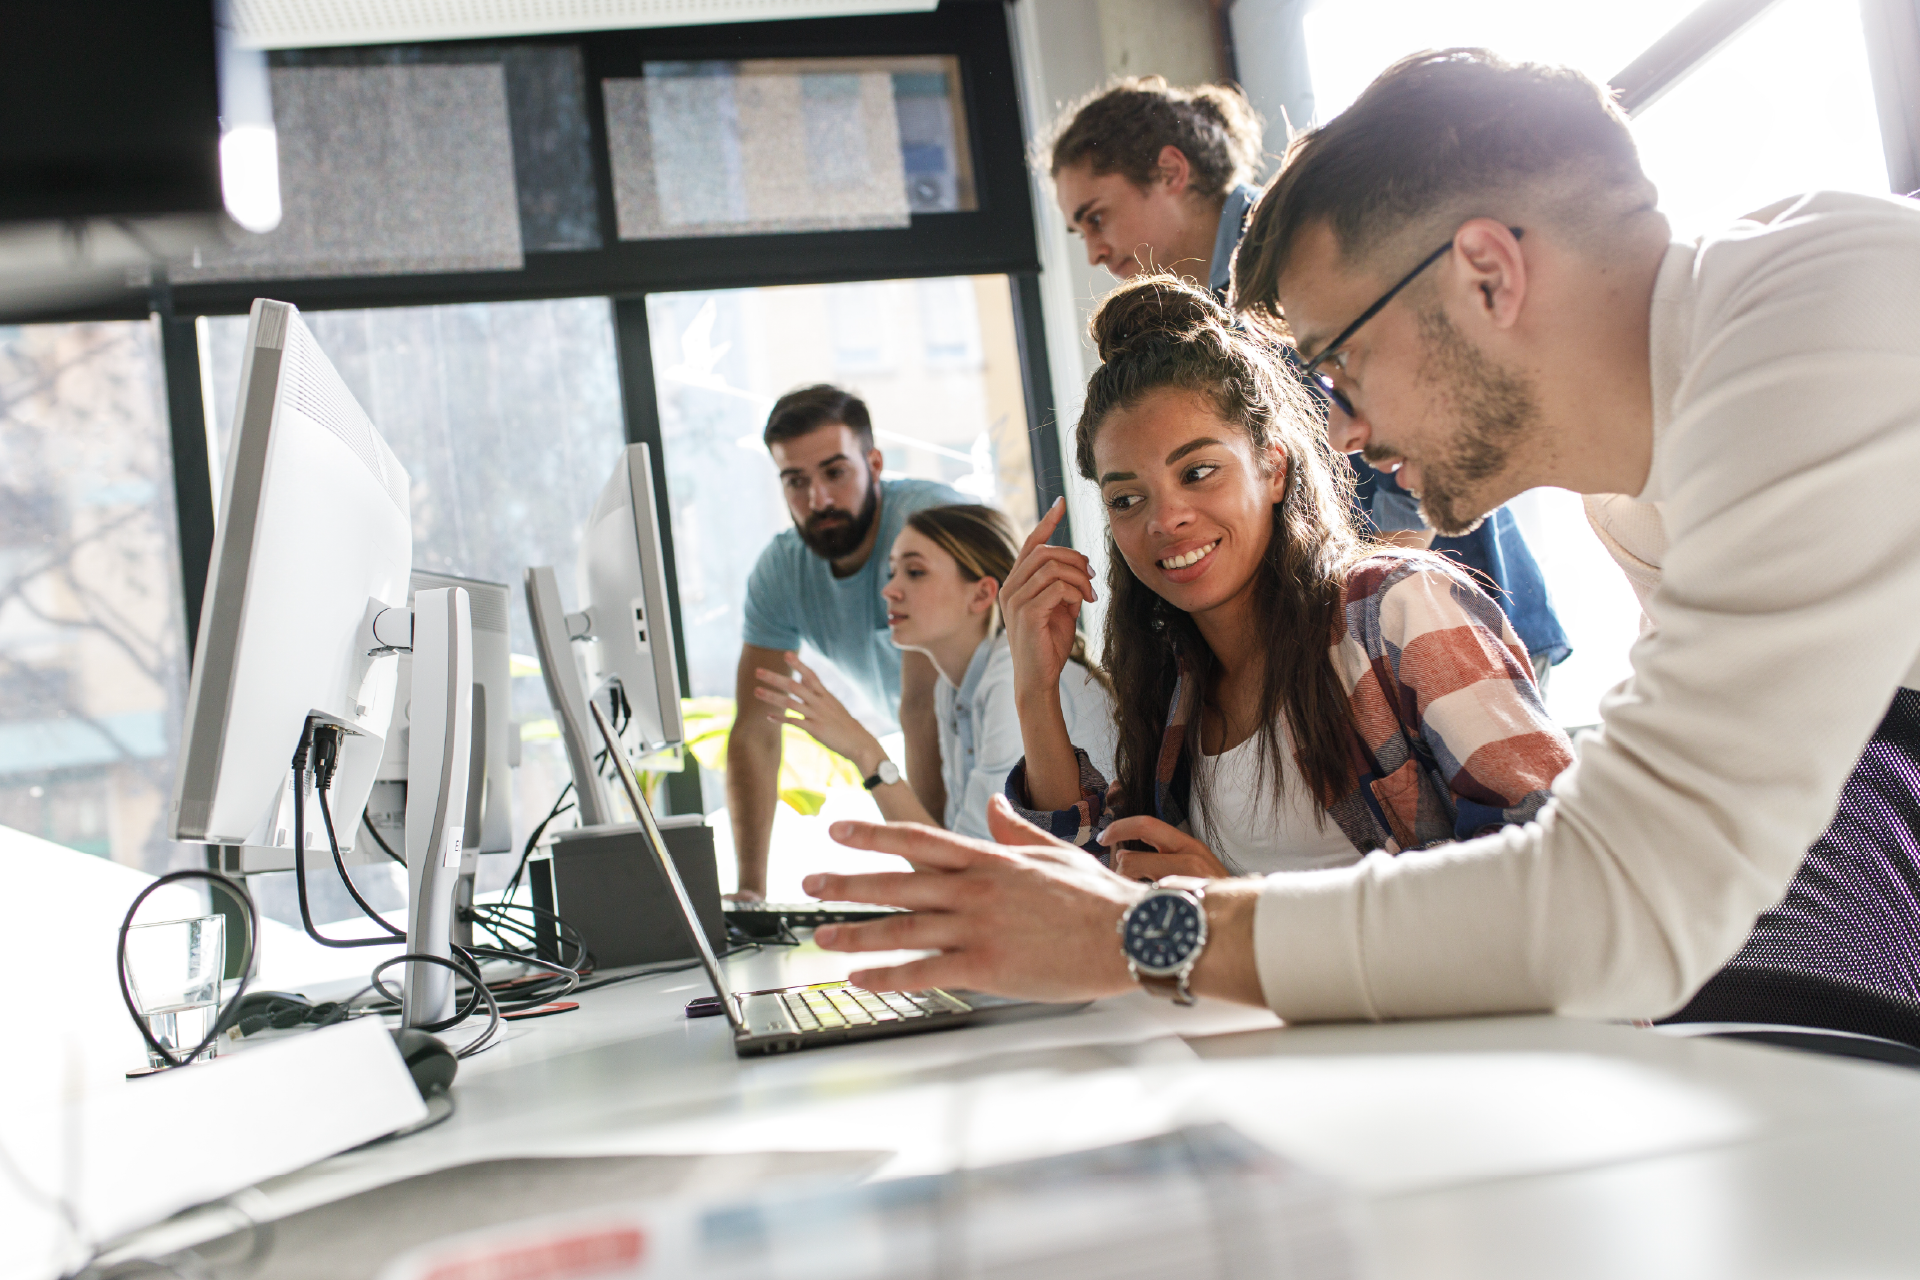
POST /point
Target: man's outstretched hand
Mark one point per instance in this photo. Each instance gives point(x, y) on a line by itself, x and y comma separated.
point(1031, 916)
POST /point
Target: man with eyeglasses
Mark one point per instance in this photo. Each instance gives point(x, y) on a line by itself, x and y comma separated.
point(1472, 263)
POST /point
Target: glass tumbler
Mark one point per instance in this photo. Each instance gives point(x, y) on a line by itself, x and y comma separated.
point(174, 968)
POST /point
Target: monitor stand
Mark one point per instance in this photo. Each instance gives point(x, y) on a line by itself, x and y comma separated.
point(438, 763)
point(554, 647)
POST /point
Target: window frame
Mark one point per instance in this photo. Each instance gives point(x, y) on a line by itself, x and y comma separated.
point(998, 237)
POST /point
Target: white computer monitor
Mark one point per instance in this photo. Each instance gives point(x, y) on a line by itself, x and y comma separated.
point(628, 633)
point(489, 826)
point(306, 613)
point(621, 638)
point(314, 538)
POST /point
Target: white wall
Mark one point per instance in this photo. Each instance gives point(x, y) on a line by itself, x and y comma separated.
point(1067, 48)
point(1270, 55)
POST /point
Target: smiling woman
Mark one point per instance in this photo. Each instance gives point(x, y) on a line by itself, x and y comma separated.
point(1300, 694)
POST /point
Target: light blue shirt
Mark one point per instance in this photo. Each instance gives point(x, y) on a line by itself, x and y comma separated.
point(980, 730)
point(792, 596)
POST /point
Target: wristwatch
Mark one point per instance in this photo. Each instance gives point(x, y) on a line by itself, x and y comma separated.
point(886, 775)
point(1163, 936)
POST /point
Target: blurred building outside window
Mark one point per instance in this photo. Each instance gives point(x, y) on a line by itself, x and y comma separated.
point(93, 674)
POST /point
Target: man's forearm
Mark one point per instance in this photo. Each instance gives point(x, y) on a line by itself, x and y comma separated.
point(1228, 968)
point(753, 768)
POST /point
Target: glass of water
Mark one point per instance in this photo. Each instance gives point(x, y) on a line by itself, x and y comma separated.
point(174, 968)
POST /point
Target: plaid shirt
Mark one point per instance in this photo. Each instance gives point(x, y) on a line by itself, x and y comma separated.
point(1448, 739)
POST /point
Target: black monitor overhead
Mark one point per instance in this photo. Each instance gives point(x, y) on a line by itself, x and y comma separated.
point(137, 133)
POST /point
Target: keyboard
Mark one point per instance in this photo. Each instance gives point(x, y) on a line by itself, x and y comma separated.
point(834, 1006)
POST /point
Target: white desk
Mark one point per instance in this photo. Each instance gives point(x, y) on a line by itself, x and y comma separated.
point(1524, 1147)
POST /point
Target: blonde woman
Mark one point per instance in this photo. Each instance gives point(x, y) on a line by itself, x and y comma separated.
point(946, 570)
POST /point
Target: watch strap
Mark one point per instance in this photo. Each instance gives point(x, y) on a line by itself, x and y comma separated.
point(1172, 988)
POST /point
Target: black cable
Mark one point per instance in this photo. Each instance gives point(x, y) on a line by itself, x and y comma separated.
point(678, 966)
point(501, 927)
point(435, 1116)
point(339, 865)
point(300, 852)
point(535, 995)
point(462, 966)
point(480, 988)
point(495, 919)
point(675, 966)
point(533, 840)
point(240, 895)
point(378, 839)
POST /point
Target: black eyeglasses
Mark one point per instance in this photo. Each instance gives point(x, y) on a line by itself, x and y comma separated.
point(1325, 383)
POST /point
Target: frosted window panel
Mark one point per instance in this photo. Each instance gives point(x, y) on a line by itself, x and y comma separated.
point(774, 146)
point(726, 149)
point(1786, 107)
point(552, 147)
point(1595, 603)
point(385, 170)
point(507, 417)
point(933, 139)
point(93, 667)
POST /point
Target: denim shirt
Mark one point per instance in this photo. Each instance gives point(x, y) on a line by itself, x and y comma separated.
point(1233, 225)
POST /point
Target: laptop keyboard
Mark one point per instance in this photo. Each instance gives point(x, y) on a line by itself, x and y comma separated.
point(833, 1007)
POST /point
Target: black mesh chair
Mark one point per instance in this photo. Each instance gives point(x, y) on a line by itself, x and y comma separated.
point(1840, 953)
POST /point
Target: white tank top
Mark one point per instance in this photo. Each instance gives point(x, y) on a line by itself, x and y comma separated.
point(1254, 832)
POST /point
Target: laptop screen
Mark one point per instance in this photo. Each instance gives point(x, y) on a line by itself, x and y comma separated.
point(641, 810)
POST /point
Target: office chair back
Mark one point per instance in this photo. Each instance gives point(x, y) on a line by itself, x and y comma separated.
point(1842, 950)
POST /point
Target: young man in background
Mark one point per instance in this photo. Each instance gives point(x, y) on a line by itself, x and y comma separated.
point(819, 583)
point(1156, 177)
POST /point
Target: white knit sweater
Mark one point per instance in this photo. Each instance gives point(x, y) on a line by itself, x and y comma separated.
point(1783, 612)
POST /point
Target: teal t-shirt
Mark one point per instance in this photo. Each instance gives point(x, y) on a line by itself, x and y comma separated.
point(792, 596)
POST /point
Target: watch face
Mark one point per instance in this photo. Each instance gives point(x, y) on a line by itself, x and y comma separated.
point(1163, 932)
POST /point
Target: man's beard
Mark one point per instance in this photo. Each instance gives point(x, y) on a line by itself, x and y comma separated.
point(832, 534)
point(1494, 413)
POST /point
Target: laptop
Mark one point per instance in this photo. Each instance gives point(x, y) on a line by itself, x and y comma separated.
point(770, 919)
point(821, 1013)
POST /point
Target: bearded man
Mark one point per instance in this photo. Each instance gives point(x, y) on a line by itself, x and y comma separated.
point(1474, 265)
point(819, 582)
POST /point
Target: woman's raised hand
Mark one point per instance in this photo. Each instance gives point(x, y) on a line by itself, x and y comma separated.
point(800, 699)
point(1040, 602)
point(1174, 852)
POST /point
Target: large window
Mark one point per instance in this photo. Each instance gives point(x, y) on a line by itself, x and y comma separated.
point(457, 217)
point(1784, 107)
point(507, 418)
point(92, 642)
point(936, 363)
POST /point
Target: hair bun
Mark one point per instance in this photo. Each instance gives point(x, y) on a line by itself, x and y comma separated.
point(1154, 307)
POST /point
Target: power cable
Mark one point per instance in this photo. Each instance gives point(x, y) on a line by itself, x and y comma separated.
point(215, 1029)
point(300, 854)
